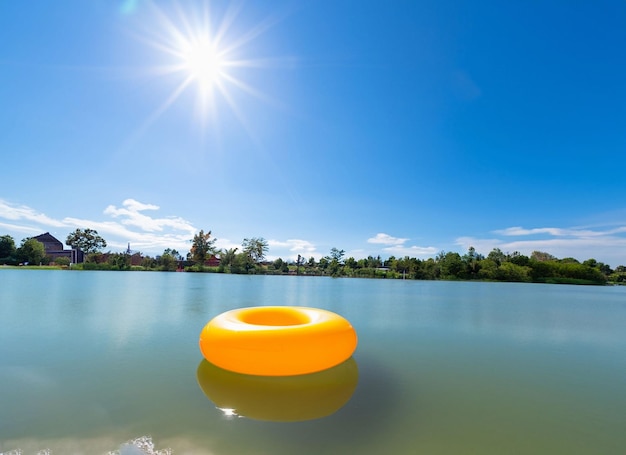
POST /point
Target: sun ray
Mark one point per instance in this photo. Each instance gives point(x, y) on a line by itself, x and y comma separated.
point(252, 91)
point(207, 51)
point(153, 117)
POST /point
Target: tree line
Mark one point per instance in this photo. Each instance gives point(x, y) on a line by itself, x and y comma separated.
point(203, 256)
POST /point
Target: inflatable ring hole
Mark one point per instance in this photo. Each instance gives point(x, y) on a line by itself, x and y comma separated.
point(274, 316)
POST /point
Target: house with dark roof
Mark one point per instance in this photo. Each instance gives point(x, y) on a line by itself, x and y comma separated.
point(54, 249)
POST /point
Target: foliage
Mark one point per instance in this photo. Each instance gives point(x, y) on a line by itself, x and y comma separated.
point(31, 251)
point(227, 257)
point(119, 261)
point(86, 240)
point(7, 250)
point(255, 248)
point(168, 261)
point(243, 263)
point(540, 267)
point(62, 261)
point(202, 247)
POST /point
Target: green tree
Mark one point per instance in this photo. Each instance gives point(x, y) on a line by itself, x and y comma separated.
point(63, 261)
point(512, 272)
point(119, 261)
point(497, 256)
point(541, 256)
point(242, 263)
point(278, 264)
point(202, 246)
point(337, 254)
point(227, 257)
point(451, 266)
point(472, 262)
point(518, 259)
point(255, 248)
point(31, 251)
point(168, 261)
point(86, 240)
point(7, 249)
point(174, 253)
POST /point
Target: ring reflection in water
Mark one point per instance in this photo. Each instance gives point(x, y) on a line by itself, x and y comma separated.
point(281, 398)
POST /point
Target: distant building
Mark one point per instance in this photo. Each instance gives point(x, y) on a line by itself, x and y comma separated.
point(213, 261)
point(54, 249)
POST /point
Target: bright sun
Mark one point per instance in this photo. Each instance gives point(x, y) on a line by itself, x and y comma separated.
point(203, 53)
point(203, 62)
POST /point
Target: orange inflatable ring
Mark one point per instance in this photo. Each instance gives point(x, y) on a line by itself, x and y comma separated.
point(277, 341)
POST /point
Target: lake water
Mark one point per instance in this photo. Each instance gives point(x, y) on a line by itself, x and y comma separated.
point(89, 360)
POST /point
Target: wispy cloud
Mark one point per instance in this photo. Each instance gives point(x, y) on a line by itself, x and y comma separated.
point(131, 215)
point(291, 248)
point(411, 251)
point(560, 232)
point(396, 246)
point(386, 239)
point(16, 212)
point(604, 244)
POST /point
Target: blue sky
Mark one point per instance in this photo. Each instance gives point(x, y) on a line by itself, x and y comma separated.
point(395, 128)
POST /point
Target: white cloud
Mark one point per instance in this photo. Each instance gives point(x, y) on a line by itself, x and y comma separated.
point(16, 212)
point(386, 239)
point(605, 245)
point(19, 228)
point(396, 246)
point(130, 215)
point(559, 232)
point(411, 251)
point(153, 236)
point(291, 248)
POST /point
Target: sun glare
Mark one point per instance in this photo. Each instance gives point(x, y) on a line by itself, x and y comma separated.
point(204, 53)
point(203, 63)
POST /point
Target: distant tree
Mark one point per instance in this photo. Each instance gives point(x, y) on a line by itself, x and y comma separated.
point(202, 246)
point(168, 261)
point(497, 256)
point(299, 263)
point(86, 240)
point(255, 248)
point(604, 268)
point(227, 257)
point(511, 272)
point(488, 269)
point(119, 261)
point(518, 259)
point(31, 251)
point(472, 262)
point(374, 262)
point(62, 261)
point(278, 264)
point(7, 249)
point(451, 266)
point(403, 265)
point(337, 254)
point(149, 262)
point(541, 256)
point(243, 263)
point(174, 253)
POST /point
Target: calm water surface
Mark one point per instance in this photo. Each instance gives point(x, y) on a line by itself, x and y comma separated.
point(89, 360)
